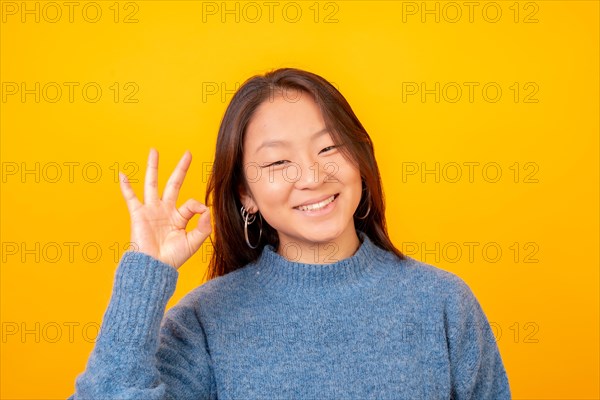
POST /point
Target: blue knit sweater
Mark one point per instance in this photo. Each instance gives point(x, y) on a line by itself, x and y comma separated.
point(370, 326)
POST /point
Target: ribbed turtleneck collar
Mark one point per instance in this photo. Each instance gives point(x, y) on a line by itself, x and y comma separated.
point(365, 266)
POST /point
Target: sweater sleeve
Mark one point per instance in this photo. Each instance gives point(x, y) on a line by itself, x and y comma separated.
point(138, 354)
point(477, 371)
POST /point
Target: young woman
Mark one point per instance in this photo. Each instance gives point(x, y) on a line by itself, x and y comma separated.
point(308, 297)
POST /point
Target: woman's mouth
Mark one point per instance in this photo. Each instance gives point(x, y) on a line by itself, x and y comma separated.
point(319, 208)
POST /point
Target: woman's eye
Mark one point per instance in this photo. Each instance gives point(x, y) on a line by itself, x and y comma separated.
point(280, 162)
point(275, 163)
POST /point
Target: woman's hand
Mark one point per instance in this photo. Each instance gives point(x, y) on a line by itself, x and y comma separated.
point(158, 226)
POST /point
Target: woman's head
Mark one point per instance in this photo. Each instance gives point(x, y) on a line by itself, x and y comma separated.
point(288, 138)
point(290, 159)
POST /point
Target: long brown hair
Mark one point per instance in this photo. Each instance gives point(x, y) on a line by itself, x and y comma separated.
point(231, 251)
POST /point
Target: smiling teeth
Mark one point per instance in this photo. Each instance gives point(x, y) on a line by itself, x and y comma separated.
point(316, 206)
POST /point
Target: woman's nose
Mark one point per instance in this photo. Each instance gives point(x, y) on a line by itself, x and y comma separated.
point(309, 174)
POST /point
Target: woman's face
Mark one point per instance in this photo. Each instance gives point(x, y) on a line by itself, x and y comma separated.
point(289, 161)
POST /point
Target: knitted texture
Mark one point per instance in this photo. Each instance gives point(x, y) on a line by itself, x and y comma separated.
point(370, 326)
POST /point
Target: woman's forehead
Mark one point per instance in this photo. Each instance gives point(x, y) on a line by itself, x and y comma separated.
point(281, 122)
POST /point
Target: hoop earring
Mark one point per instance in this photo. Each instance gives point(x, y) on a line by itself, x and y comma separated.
point(368, 209)
point(247, 222)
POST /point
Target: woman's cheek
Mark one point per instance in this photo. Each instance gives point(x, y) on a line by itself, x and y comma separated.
point(272, 185)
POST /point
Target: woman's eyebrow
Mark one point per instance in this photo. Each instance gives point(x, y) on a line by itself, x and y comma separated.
point(281, 142)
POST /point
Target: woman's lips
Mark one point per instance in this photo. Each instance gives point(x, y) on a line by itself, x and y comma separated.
point(317, 200)
point(320, 211)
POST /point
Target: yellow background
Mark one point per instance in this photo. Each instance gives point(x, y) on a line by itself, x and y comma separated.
point(545, 312)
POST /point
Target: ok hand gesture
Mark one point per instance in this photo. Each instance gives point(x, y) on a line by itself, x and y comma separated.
point(158, 226)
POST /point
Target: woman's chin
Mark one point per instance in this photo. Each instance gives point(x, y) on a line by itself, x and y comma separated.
point(321, 235)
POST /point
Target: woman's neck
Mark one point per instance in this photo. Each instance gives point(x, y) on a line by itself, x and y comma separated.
point(327, 252)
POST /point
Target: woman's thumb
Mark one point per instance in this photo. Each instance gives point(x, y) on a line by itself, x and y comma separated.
point(198, 235)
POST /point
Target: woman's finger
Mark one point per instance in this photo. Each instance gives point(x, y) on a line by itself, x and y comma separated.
point(176, 179)
point(130, 198)
point(191, 208)
point(151, 182)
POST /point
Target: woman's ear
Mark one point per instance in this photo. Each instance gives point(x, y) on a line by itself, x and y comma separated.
point(247, 200)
